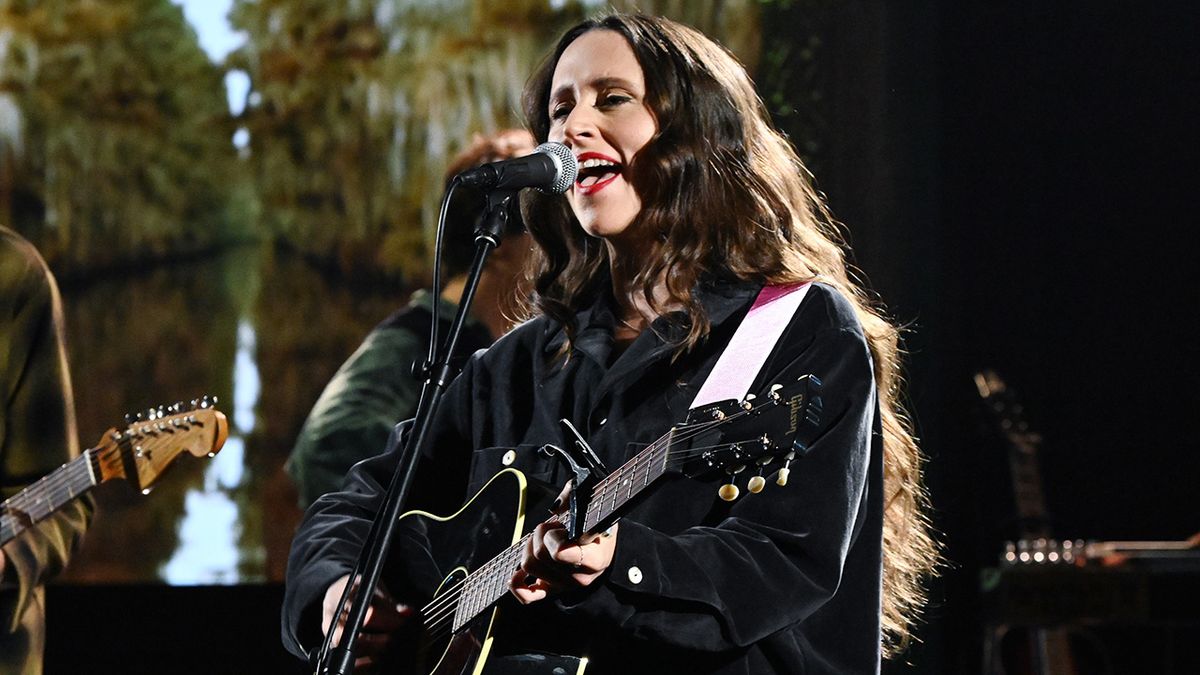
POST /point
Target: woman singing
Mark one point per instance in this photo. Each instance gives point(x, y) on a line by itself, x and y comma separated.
point(687, 204)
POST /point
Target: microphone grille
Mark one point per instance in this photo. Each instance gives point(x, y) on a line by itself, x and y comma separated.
point(568, 166)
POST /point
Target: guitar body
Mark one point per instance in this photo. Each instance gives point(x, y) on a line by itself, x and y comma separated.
point(438, 554)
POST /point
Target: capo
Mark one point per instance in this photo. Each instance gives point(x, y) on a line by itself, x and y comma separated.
point(588, 470)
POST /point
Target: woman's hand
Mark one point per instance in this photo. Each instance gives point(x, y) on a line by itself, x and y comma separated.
point(384, 617)
point(553, 564)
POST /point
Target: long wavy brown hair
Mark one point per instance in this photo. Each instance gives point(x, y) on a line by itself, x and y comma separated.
point(725, 195)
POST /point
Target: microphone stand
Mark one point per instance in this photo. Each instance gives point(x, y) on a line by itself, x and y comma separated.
point(339, 660)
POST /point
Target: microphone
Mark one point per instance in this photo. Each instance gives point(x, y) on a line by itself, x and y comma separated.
point(551, 168)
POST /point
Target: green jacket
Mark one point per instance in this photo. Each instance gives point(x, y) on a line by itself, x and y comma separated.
point(369, 394)
point(37, 435)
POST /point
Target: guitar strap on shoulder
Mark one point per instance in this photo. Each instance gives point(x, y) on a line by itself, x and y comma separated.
point(750, 345)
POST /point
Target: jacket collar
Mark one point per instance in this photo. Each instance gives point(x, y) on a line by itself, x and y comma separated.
point(721, 299)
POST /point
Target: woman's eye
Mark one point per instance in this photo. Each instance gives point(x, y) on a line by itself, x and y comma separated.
point(559, 112)
point(615, 99)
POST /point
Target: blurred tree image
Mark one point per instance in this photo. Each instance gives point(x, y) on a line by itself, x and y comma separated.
point(115, 139)
point(114, 133)
point(116, 156)
point(358, 106)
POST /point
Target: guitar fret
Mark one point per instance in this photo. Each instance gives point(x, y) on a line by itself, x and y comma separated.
point(470, 594)
point(475, 595)
point(500, 581)
point(629, 481)
point(40, 499)
point(614, 487)
point(487, 587)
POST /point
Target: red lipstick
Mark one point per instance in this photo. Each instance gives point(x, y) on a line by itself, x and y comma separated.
point(598, 186)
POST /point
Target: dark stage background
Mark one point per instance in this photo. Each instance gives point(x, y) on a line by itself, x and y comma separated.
point(1023, 194)
point(1015, 176)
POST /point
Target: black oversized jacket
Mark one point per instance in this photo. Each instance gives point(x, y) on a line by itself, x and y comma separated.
point(784, 581)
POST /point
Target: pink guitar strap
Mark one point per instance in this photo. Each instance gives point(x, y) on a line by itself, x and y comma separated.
point(750, 345)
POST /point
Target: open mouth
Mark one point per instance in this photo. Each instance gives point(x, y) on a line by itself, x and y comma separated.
point(595, 172)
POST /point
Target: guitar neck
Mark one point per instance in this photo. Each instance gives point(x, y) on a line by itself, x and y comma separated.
point(1027, 487)
point(36, 502)
point(489, 582)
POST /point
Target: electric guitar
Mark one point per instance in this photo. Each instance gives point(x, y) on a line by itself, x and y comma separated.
point(461, 565)
point(1048, 651)
point(139, 454)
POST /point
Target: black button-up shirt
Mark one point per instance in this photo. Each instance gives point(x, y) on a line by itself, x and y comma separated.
point(784, 581)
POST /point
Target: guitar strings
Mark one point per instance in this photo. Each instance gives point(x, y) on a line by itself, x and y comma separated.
point(41, 498)
point(602, 489)
point(443, 607)
point(436, 609)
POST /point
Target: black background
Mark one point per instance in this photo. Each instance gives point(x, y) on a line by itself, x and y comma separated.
point(1021, 194)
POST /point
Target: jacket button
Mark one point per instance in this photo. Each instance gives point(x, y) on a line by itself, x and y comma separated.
point(508, 458)
point(635, 575)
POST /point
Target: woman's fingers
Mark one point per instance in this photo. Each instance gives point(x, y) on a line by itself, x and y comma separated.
point(384, 617)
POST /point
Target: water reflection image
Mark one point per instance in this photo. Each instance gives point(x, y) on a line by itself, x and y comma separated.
point(262, 332)
point(208, 532)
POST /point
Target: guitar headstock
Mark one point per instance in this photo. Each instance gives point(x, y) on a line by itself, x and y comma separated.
point(752, 434)
point(144, 449)
point(1003, 406)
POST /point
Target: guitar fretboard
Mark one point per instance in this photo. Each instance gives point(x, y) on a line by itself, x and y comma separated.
point(37, 501)
point(487, 584)
point(1027, 485)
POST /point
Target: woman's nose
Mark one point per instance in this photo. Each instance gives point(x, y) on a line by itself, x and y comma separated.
point(579, 125)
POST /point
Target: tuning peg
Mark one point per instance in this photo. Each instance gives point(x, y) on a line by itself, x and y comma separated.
point(786, 471)
point(748, 402)
point(729, 491)
point(1010, 552)
point(130, 418)
point(758, 482)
